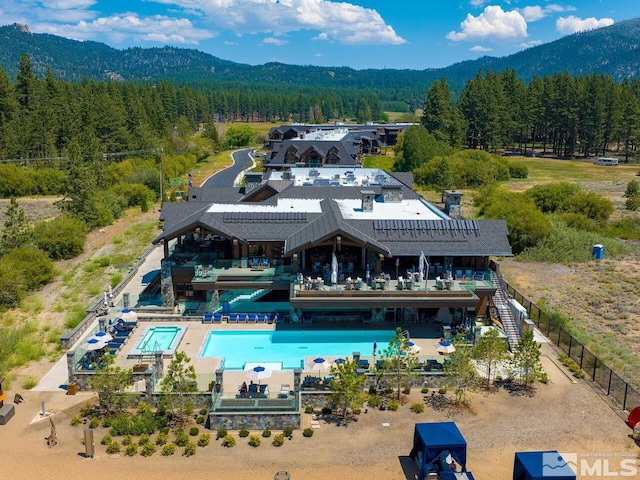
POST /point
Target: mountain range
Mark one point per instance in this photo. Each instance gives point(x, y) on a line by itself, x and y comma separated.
point(613, 51)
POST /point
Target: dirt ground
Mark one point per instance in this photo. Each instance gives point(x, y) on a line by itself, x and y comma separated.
point(562, 415)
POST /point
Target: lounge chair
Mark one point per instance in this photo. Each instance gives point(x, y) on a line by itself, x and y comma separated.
point(468, 274)
point(366, 318)
point(479, 276)
point(217, 318)
point(252, 317)
point(306, 318)
point(285, 390)
point(207, 317)
point(233, 318)
point(363, 363)
point(458, 274)
point(126, 325)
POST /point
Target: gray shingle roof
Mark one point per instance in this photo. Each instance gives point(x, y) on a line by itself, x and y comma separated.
point(446, 237)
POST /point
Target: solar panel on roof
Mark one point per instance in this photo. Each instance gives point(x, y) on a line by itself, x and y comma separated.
point(396, 228)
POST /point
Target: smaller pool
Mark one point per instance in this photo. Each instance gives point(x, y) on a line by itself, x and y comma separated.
point(156, 339)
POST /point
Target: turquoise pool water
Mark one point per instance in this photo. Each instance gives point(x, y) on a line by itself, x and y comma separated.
point(159, 338)
point(291, 347)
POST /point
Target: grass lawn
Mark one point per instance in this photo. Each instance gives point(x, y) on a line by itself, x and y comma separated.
point(547, 170)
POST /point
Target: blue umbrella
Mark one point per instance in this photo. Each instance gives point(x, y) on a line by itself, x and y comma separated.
point(102, 336)
point(259, 372)
point(340, 360)
point(413, 346)
point(319, 363)
point(94, 344)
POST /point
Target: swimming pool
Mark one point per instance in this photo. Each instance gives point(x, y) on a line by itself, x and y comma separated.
point(163, 339)
point(290, 347)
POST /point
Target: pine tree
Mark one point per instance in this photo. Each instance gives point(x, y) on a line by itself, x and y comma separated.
point(347, 386)
point(525, 364)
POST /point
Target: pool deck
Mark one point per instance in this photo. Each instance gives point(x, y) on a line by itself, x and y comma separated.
point(196, 335)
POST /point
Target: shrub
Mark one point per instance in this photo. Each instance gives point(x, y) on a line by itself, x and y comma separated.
point(29, 382)
point(204, 439)
point(254, 441)
point(393, 405)
point(194, 431)
point(131, 450)
point(357, 411)
point(162, 438)
point(106, 440)
point(243, 433)
point(417, 407)
point(181, 438)
point(326, 410)
point(278, 440)
point(113, 448)
point(86, 410)
point(287, 431)
point(127, 440)
point(266, 433)
point(307, 432)
point(144, 438)
point(442, 390)
point(308, 409)
point(374, 401)
point(94, 422)
point(106, 422)
point(148, 449)
point(61, 238)
point(143, 407)
point(189, 449)
point(221, 433)
point(203, 411)
point(200, 420)
point(168, 449)
point(424, 390)
point(76, 420)
point(406, 390)
point(229, 441)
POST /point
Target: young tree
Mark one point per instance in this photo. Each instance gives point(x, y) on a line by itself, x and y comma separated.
point(177, 385)
point(460, 373)
point(347, 386)
point(489, 351)
point(398, 361)
point(111, 383)
point(16, 232)
point(526, 359)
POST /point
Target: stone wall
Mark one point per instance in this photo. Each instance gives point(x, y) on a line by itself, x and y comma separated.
point(254, 421)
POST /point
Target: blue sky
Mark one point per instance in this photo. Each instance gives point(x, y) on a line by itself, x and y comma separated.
point(413, 34)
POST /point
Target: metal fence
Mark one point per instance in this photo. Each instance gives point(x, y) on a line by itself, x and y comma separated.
point(597, 371)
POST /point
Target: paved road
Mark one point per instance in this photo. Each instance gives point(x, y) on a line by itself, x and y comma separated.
point(226, 177)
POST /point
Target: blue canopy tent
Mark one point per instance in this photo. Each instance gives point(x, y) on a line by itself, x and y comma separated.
point(541, 465)
point(432, 442)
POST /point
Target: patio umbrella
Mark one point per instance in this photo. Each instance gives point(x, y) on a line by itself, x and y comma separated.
point(334, 268)
point(422, 262)
point(258, 373)
point(445, 347)
point(340, 360)
point(93, 344)
point(320, 364)
point(128, 315)
point(102, 337)
point(413, 346)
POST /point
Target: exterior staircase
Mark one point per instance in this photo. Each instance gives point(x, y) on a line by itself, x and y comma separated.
point(235, 296)
point(502, 303)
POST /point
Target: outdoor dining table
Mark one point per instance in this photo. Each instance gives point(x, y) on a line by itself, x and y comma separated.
point(380, 282)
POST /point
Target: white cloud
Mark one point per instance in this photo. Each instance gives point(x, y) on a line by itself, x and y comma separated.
point(480, 48)
point(67, 4)
point(231, 44)
point(573, 24)
point(536, 12)
point(478, 3)
point(278, 42)
point(156, 28)
point(340, 21)
point(532, 43)
point(493, 24)
point(318, 55)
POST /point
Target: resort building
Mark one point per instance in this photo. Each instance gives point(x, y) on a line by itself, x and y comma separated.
point(328, 244)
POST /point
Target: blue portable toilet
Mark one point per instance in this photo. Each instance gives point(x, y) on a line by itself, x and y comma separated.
point(597, 252)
